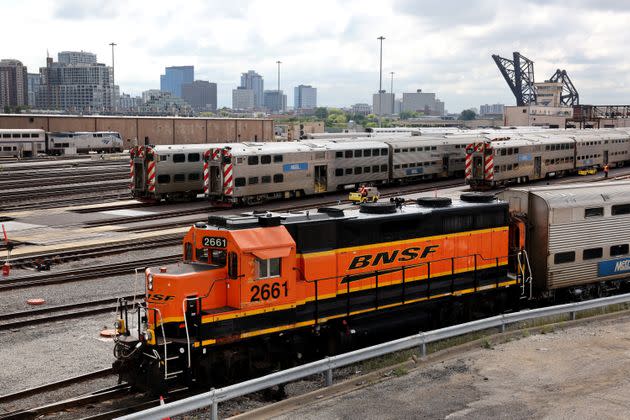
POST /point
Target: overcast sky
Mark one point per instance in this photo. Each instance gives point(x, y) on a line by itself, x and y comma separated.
point(438, 46)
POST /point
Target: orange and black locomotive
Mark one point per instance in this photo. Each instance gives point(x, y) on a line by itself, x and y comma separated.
point(262, 291)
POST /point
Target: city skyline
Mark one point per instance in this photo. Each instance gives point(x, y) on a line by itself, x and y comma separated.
point(429, 45)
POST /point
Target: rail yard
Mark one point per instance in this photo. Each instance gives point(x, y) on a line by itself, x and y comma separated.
point(79, 246)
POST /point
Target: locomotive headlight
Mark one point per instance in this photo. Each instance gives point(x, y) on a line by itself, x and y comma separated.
point(119, 325)
point(149, 337)
point(150, 281)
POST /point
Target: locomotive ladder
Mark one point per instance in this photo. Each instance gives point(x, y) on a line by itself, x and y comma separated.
point(524, 274)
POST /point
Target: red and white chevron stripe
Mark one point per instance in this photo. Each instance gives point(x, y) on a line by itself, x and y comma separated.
point(228, 175)
point(468, 167)
point(216, 154)
point(206, 171)
point(489, 167)
point(151, 170)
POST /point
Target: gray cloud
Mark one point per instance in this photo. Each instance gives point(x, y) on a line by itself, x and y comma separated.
point(83, 9)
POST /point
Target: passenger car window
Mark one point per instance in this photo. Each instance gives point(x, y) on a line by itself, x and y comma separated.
point(252, 160)
point(179, 178)
point(593, 212)
point(564, 257)
point(265, 159)
point(278, 178)
point(163, 179)
point(179, 158)
point(592, 253)
point(618, 250)
point(239, 182)
point(278, 158)
point(193, 157)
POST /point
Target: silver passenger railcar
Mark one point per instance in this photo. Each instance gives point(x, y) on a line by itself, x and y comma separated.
point(257, 172)
point(578, 236)
point(167, 171)
point(22, 142)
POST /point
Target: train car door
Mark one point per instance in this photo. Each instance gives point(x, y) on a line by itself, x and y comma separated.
point(478, 167)
point(215, 179)
point(605, 157)
point(321, 178)
point(138, 175)
point(537, 167)
point(445, 165)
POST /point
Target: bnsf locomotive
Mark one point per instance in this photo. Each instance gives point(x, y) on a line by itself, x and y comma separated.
point(262, 291)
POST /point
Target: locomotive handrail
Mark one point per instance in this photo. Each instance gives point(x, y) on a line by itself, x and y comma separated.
point(214, 397)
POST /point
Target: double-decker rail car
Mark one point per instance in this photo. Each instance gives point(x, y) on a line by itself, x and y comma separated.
point(533, 156)
point(255, 172)
point(265, 291)
point(427, 157)
point(578, 237)
point(167, 171)
point(22, 142)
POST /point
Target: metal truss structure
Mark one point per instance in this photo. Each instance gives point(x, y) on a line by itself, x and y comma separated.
point(519, 75)
point(569, 96)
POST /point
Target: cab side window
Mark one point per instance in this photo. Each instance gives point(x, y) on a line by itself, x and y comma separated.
point(268, 268)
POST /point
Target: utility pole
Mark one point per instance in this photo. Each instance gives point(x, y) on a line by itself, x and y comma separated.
point(113, 79)
point(380, 83)
point(279, 96)
point(391, 90)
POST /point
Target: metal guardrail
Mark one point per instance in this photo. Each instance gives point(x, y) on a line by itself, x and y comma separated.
point(215, 396)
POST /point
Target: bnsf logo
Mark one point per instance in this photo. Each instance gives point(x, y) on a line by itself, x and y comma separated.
point(156, 297)
point(408, 254)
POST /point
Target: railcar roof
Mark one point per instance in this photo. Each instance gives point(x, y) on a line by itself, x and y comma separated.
point(582, 195)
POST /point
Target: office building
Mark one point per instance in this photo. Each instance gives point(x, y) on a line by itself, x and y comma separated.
point(275, 101)
point(494, 109)
point(383, 103)
point(174, 77)
point(304, 97)
point(243, 99)
point(422, 102)
point(83, 87)
point(147, 95)
point(128, 103)
point(201, 95)
point(165, 103)
point(33, 88)
point(397, 106)
point(254, 81)
point(361, 109)
point(13, 84)
point(75, 58)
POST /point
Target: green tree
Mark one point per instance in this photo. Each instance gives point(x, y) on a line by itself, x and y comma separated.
point(467, 115)
point(321, 113)
point(405, 115)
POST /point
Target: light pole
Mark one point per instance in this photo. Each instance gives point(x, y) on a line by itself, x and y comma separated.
point(279, 96)
point(113, 79)
point(380, 83)
point(391, 90)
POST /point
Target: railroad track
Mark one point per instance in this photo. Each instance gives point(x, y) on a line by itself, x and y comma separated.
point(27, 193)
point(19, 319)
point(55, 385)
point(85, 273)
point(117, 195)
point(102, 395)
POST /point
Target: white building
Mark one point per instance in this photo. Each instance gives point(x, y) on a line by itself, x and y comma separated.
point(494, 109)
point(362, 109)
point(304, 97)
point(423, 102)
point(383, 103)
point(243, 99)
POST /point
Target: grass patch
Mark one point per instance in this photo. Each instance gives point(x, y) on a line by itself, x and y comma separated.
point(400, 371)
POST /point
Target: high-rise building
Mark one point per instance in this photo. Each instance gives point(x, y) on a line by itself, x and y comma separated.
point(174, 77)
point(13, 84)
point(383, 103)
point(33, 88)
point(494, 109)
point(423, 102)
point(304, 97)
point(147, 95)
point(254, 81)
point(128, 103)
point(165, 103)
point(81, 87)
point(275, 101)
point(201, 95)
point(76, 57)
point(243, 99)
